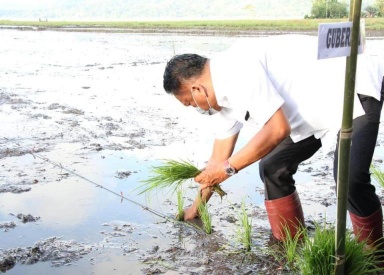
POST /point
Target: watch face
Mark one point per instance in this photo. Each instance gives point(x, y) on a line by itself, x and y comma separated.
point(230, 171)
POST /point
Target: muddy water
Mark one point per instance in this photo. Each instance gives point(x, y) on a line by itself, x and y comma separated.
point(83, 117)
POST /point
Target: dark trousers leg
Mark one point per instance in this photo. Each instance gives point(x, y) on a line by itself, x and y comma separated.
point(362, 198)
point(278, 167)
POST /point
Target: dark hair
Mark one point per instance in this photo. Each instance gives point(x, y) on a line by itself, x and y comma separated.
point(180, 68)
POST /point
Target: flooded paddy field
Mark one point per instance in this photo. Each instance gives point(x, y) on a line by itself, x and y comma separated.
point(83, 117)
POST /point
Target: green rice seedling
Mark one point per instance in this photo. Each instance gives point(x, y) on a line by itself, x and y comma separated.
point(378, 175)
point(244, 230)
point(180, 205)
point(205, 217)
point(360, 258)
point(291, 245)
point(317, 254)
point(286, 252)
point(172, 174)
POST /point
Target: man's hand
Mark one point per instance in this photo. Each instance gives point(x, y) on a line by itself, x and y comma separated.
point(213, 173)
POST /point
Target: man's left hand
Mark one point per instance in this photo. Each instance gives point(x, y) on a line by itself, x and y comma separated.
point(213, 173)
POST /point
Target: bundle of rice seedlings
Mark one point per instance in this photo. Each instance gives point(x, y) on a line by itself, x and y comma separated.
point(172, 174)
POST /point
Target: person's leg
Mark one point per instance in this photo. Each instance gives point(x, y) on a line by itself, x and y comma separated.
point(281, 199)
point(362, 199)
point(278, 167)
point(363, 204)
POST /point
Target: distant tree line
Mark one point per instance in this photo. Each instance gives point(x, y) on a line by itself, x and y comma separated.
point(375, 10)
point(336, 9)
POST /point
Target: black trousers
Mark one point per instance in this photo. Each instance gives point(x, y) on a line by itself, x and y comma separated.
point(278, 167)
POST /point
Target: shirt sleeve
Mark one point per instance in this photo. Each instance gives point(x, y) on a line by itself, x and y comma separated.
point(225, 126)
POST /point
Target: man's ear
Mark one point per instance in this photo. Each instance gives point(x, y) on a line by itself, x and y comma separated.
point(195, 88)
point(199, 89)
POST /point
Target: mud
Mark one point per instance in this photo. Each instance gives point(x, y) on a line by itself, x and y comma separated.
point(83, 118)
point(7, 225)
point(57, 251)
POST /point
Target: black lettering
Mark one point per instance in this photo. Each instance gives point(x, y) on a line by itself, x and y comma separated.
point(339, 38)
point(347, 37)
point(329, 38)
point(338, 30)
point(333, 38)
point(342, 42)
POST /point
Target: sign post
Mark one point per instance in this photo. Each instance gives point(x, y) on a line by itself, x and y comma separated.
point(345, 139)
point(335, 40)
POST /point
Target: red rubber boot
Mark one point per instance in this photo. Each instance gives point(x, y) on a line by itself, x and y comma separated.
point(370, 229)
point(285, 213)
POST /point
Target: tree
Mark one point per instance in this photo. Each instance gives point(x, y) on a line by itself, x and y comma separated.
point(371, 11)
point(337, 9)
point(379, 4)
point(329, 9)
point(318, 9)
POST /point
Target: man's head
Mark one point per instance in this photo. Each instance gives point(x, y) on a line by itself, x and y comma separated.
point(187, 77)
point(180, 69)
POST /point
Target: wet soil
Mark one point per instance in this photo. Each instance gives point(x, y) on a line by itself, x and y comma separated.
point(83, 118)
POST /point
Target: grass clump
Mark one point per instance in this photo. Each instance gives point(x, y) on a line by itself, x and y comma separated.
point(244, 230)
point(172, 174)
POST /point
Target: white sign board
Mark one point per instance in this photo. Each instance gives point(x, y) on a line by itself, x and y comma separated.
point(335, 39)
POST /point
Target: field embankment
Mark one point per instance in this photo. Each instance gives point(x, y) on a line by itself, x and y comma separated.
point(373, 26)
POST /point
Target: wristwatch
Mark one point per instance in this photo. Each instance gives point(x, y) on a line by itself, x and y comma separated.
point(229, 170)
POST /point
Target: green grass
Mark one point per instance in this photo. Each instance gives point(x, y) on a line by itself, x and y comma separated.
point(228, 25)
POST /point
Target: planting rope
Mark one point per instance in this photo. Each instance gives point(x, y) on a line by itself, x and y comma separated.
point(157, 213)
